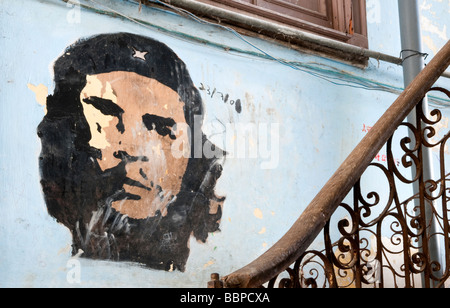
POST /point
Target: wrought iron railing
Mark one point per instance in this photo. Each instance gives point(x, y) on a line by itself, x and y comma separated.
point(373, 239)
point(383, 241)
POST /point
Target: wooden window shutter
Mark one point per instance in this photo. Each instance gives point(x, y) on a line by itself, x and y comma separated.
point(343, 20)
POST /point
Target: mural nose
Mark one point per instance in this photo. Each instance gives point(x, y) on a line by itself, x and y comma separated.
point(139, 202)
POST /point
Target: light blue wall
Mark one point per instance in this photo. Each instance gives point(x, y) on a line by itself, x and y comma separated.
point(320, 123)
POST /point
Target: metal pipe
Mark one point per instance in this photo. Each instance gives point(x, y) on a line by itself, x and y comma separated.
point(311, 222)
point(413, 64)
point(276, 28)
point(288, 32)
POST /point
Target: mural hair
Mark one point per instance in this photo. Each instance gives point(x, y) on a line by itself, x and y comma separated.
point(79, 194)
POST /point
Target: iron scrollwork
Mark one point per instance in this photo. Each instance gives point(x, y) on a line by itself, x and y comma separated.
point(382, 238)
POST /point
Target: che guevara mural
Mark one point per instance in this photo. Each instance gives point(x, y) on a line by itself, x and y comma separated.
point(119, 166)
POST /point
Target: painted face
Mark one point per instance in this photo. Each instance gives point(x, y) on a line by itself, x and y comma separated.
point(132, 121)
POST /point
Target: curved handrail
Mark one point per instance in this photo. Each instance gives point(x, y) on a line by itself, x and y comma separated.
point(308, 226)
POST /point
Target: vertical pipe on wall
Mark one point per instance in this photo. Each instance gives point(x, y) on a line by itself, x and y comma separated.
point(413, 63)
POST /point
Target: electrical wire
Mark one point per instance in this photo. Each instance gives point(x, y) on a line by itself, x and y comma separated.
point(268, 55)
point(298, 66)
point(414, 53)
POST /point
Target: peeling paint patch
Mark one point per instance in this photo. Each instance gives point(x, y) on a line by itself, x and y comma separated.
point(208, 264)
point(425, 6)
point(373, 11)
point(258, 213)
point(428, 26)
point(95, 87)
point(263, 230)
point(65, 250)
point(41, 93)
point(428, 41)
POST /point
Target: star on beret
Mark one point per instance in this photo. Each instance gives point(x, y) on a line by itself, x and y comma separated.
point(139, 54)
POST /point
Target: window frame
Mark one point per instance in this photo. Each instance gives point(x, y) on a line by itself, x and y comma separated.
point(346, 25)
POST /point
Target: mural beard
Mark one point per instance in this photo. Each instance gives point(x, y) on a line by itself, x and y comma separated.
point(83, 196)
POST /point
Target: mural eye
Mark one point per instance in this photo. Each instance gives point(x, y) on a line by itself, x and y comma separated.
point(129, 193)
point(163, 126)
